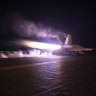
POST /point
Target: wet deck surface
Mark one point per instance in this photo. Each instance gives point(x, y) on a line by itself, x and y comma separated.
point(70, 76)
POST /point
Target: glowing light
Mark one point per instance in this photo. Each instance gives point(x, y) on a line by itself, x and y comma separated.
point(38, 53)
point(40, 45)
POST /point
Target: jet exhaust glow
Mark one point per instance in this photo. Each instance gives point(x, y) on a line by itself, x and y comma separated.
point(40, 45)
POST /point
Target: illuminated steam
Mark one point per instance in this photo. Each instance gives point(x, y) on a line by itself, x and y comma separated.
point(30, 53)
point(26, 28)
point(16, 25)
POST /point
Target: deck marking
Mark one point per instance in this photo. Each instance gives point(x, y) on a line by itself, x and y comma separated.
point(27, 65)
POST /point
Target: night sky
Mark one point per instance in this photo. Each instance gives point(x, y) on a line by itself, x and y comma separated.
point(75, 18)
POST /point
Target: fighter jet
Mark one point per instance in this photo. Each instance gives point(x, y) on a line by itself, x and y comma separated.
point(74, 48)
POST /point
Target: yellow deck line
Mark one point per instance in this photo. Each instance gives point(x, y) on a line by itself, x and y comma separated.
point(27, 65)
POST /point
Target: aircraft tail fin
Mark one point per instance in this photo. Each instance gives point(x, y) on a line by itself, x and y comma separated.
point(68, 40)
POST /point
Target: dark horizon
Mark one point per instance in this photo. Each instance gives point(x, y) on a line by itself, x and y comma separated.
point(75, 18)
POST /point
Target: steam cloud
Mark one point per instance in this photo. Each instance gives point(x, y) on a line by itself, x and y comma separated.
point(18, 26)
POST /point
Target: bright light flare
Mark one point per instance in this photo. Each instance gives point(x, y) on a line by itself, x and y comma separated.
point(40, 45)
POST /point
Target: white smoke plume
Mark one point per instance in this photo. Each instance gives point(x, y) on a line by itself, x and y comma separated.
point(15, 24)
point(25, 28)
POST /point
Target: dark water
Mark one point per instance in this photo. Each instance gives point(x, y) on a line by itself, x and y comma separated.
point(70, 76)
